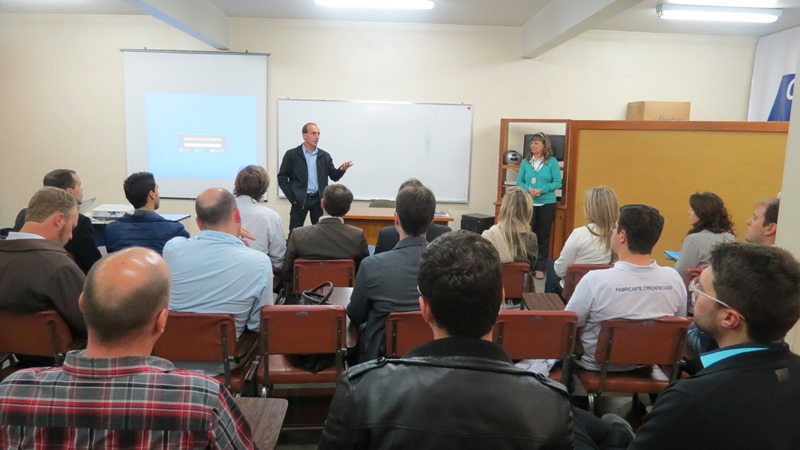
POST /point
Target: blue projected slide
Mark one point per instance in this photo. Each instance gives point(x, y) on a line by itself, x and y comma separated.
point(200, 136)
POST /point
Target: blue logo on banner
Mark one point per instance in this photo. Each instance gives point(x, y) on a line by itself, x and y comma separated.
point(782, 108)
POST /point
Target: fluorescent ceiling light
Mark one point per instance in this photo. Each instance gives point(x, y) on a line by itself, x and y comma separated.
point(382, 4)
point(717, 13)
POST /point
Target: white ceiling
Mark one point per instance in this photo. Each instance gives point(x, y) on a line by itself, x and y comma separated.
point(640, 17)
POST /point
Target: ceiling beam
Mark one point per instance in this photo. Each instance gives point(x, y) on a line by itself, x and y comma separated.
point(562, 20)
point(200, 19)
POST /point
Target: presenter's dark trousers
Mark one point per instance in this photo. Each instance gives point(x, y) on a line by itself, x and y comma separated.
point(297, 215)
point(542, 225)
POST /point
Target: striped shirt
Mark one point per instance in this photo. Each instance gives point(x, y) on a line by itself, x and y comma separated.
point(115, 403)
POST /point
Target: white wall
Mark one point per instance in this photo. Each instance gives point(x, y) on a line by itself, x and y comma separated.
point(61, 86)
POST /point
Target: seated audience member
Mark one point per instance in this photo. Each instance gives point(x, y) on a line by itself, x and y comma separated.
point(763, 225)
point(746, 395)
point(36, 272)
point(82, 246)
point(388, 282)
point(264, 223)
point(711, 225)
point(512, 235)
point(635, 288)
point(114, 394)
point(388, 237)
point(330, 238)
point(215, 272)
point(461, 390)
point(589, 244)
point(145, 227)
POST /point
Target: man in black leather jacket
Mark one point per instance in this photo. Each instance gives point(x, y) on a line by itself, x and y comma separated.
point(460, 390)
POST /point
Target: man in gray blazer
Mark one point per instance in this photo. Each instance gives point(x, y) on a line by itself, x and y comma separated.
point(330, 238)
point(388, 282)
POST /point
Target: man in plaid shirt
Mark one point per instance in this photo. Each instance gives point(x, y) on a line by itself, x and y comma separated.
point(114, 394)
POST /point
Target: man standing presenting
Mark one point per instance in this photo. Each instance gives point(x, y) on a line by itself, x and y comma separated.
point(114, 394)
point(460, 391)
point(82, 246)
point(746, 395)
point(145, 227)
point(36, 272)
point(762, 227)
point(304, 174)
point(635, 288)
point(388, 282)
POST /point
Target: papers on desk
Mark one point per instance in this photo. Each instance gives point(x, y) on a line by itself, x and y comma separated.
point(672, 255)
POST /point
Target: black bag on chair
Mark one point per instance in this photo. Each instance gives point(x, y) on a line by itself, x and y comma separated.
point(314, 362)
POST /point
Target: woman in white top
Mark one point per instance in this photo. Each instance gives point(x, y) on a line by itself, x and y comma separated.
point(589, 244)
point(512, 235)
point(711, 225)
point(265, 224)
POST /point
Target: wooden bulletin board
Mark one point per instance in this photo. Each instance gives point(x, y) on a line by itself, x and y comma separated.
point(662, 163)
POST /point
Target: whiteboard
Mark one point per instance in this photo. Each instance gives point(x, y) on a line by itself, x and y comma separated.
point(388, 143)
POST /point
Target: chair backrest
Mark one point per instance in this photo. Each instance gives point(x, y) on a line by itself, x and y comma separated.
point(297, 329)
point(642, 342)
point(515, 278)
point(691, 274)
point(404, 331)
point(197, 337)
point(308, 273)
point(574, 274)
point(41, 333)
point(536, 334)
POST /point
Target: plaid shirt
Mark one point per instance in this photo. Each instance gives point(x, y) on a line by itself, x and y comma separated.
point(115, 403)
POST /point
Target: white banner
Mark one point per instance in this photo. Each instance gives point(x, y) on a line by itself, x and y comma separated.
point(774, 69)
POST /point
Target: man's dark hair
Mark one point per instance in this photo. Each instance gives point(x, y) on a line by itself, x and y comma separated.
point(415, 207)
point(137, 188)
point(771, 212)
point(214, 210)
point(337, 199)
point(114, 319)
point(411, 182)
point(305, 127)
point(252, 181)
point(60, 178)
point(461, 278)
point(642, 225)
point(761, 282)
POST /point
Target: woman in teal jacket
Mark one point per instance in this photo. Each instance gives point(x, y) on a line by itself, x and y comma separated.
point(540, 176)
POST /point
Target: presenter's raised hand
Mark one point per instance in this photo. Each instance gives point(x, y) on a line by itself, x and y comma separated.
point(346, 165)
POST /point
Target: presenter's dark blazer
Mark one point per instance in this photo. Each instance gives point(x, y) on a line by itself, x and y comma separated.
point(293, 174)
point(82, 246)
point(388, 237)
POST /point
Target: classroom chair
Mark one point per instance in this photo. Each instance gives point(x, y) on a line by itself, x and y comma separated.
point(404, 331)
point(41, 333)
point(574, 274)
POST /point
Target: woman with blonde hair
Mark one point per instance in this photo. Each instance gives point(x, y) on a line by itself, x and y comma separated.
point(589, 244)
point(512, 235)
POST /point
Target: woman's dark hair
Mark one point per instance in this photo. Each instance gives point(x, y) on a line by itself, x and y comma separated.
point(711, 213)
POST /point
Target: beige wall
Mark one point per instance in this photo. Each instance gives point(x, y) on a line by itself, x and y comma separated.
point(61, 86)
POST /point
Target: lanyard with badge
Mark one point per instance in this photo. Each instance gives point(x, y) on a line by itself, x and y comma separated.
point(536, 169)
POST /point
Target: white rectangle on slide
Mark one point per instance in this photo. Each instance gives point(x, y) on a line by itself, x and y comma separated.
point(388, 143)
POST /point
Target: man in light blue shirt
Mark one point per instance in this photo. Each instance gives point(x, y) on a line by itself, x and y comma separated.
point(215, 272)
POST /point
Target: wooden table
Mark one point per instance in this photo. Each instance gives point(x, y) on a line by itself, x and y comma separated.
point(542, 301)
point(265, 416)
point(371, 220)
point(341, 296)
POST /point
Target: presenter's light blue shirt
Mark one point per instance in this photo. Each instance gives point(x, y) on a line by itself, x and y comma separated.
point(311, 162)
point(215, 272)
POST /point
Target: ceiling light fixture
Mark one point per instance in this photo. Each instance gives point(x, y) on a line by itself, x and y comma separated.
point(381, 4)
point(717, 13)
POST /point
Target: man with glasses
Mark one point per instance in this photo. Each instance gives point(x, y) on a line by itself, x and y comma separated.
point(746, 395)
point(635, 288)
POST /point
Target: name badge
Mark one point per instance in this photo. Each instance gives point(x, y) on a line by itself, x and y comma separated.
point(533, 180)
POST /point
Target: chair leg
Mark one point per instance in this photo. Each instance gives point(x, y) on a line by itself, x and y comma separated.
point(591, 396)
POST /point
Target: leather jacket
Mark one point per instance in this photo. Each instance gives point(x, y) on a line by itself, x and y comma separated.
point(449, 393)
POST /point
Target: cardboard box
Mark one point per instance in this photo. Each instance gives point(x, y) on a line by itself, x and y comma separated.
point(658, 110)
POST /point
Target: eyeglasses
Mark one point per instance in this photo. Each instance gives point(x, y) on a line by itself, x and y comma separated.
point(421, 294)
point(694, 290)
